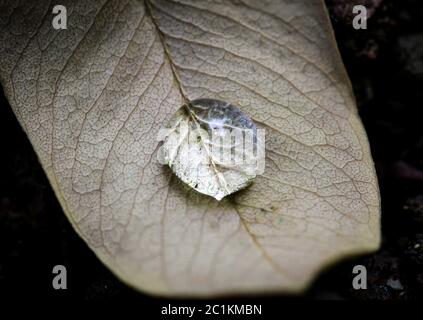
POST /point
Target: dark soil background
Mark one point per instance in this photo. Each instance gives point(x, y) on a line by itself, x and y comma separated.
point(385, 64)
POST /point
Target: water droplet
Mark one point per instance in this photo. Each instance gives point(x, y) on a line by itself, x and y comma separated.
point(213, 147)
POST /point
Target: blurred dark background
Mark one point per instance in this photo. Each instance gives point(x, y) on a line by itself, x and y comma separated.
point(385, 64)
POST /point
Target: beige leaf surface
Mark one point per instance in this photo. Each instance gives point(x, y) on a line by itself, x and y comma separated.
point(93, 97)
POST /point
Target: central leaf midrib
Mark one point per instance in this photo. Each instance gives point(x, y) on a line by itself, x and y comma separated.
point(187, 101)
point(187, 105)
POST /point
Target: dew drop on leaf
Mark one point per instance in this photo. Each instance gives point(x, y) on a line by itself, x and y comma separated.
point(214, 147)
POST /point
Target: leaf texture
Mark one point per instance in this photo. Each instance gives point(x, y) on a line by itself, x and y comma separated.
point(92, 99)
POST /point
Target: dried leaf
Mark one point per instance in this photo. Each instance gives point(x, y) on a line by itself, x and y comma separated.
point(92, 99)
